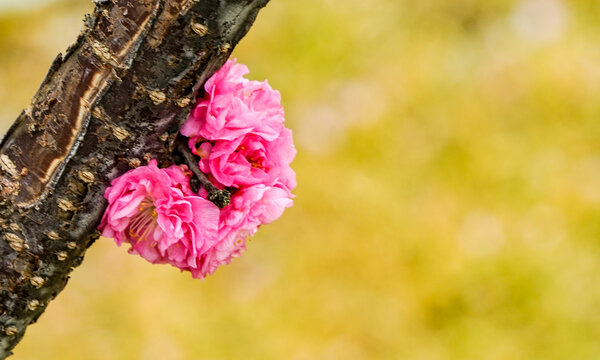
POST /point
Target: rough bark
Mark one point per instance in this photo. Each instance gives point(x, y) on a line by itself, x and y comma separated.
point(115, 100)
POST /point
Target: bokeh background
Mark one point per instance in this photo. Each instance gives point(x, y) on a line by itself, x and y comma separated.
point(448, 204)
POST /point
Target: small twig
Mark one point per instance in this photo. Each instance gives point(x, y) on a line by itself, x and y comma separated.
point(215, 195)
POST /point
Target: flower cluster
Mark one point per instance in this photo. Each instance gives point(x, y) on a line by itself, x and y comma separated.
point(237, 132)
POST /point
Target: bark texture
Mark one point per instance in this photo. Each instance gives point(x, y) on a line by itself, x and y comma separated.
point(116, 99)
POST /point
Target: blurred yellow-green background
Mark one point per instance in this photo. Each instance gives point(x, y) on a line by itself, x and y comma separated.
point(448, 204)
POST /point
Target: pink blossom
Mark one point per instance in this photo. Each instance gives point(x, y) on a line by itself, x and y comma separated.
point(250, 160)
point(156, 212)
point(250, 208)
point(234, 106)
point(237, 131)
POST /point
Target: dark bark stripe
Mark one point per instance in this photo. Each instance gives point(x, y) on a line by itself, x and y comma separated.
point(60, 112)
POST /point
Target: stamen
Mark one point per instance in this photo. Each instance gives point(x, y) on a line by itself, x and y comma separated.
point(143, 222)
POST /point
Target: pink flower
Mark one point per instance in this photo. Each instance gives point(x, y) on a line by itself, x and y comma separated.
point(233, 107)
point(156, 212)
point(250, 208)
point(238, 131)
point(250, 160)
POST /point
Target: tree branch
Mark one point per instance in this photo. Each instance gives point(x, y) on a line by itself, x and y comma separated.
point(116, 99)
point(219, 197)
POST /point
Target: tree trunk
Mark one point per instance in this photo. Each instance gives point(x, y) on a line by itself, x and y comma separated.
point(115, 100)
